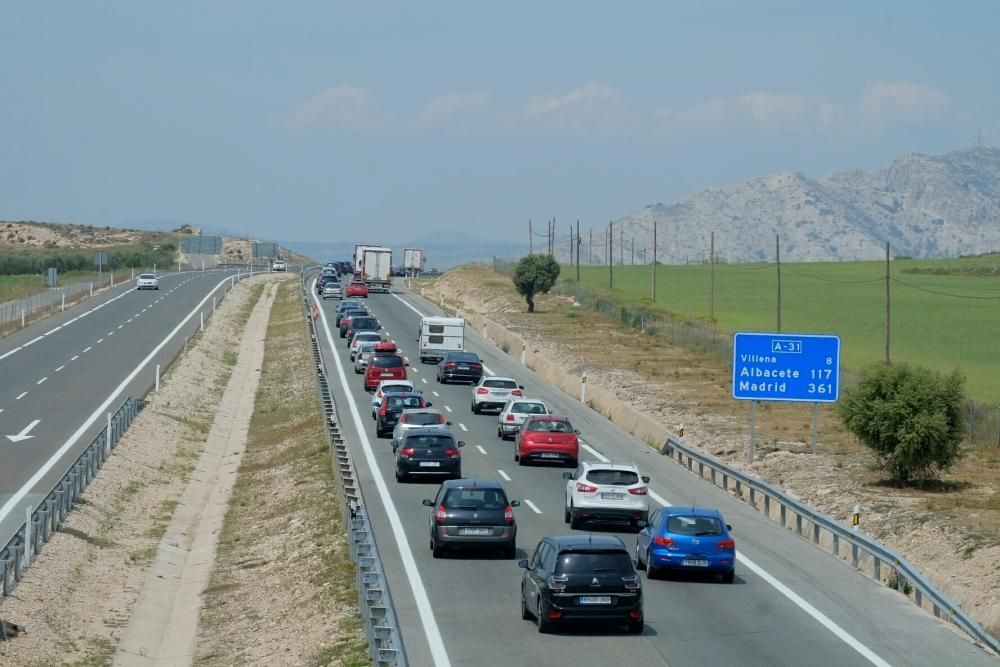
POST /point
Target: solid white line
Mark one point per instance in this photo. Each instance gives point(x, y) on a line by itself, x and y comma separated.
point(462, 426)
point(504, 475)
point(71, 321)
point(802, 604)
point(600, 457)
point(447, 408)
point(481, 450)
point(7, 354)
point(33, 341)
point(52, 331)
point(431, 631)
point(43, 380)
point(532, 506)
point(23, 394)
point(60, 368)
point(408, 305)
point(487, 369)
point(75, 357)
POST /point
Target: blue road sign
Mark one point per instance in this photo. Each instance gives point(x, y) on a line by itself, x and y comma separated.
point(786, 367)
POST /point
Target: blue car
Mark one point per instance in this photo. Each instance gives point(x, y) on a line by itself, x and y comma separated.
point(686, 538)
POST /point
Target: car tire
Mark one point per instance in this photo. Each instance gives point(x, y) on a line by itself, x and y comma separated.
point(636, 627)
point(652, 572)
point(544, 625)
point(574, 520)
point(525, 613)
point(639, 564)
point(517, 457)
point(437, 551)
point(475, 409)
point(510, 551)
point(500, 432)
point(728, 577)
point(401, 476)
point(566, 514)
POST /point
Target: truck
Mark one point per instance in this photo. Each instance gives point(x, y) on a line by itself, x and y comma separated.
point(413, 261)
point(359, 256)
point(439, 335)
point(376, 268)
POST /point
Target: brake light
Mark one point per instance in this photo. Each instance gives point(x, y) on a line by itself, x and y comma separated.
point(450, 364)
point(631, 582)
point(667, 542)
point(585, 488)
point(482, 390)
point(639, 491)
point(402, 418)
point(440, 515)
point(557, 582)
point(729, 544)
point(516, 392)
point(508, 514)
point(510, 416)
point(385, 407)
point(452, 453)
point(635, 614)
point(407, 452)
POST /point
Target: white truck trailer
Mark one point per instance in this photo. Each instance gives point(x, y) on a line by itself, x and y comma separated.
point(439, 335)
point(376, 268)
point(413, 261)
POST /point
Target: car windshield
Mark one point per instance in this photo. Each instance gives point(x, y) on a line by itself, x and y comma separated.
point(528, 408)
point(430, 441)
point(500, 384)
point(591, 562)
point(367, 336)
point(364, 323)
point(549, 426)
point(613, 477)
point(694, 525)
point(475, 499)
point(464, 357)
point(400, 403)
point(147, 276)
point(423, 418)
point(395, 388)
point(387, 361)
point(366, 348)
point(358, 285)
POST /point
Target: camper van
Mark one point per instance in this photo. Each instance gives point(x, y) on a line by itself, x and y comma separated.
point(439, 335)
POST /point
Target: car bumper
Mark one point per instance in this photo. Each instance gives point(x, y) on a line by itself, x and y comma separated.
point(672, 560)
point(502, 536)
point(611, 514)
point(621, 610)
point(414, 468)
point(491, 405)
point(536, 453)
point(467, 376)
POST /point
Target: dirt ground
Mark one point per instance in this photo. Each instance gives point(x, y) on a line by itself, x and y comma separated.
point(952, 533)
point(78, 595)
point(39, 235)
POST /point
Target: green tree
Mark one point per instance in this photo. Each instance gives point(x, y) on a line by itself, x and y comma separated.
point(535, 274)
point(910, 416)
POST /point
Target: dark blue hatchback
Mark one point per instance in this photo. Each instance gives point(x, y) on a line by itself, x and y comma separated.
point(686, 538)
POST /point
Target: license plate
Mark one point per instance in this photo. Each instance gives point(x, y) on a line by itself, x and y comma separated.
point(547, 455)
point(595, 599)
point(387, 375)
point(613, 496)
point(475, 531)
point(430, 464)
point(463, 368)
point(695, 563)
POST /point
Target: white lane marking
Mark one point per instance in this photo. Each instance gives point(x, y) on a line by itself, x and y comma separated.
point(448, 408)
point(52, 331)
point(100, 340)
point(802, 604)
point(88, 349)
point(33, 341)
point(71, 321)
point(122, 325)
point(60, 368)
point(1, 409)
point(424, 380)
point(481, 450)
point(7, 354)
point(600, 457)
point(23, 435)
point(43, 380)
point(22, 395)
point(487, 369)
point(462, 426)
point(504, 475)
point(128, 321)
point(532, 506)
point(74, 357)
point(431, 631)
point(405, 358)
point(415, 370)
point(435, 393)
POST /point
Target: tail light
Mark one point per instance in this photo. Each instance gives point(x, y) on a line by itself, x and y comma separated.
point(585, 488)
point(452, 453)
point(508, 514)
point(407, 452)
point(450, 364)
point(557, 582)
point(385, 408)
point(510, 416)
point(516, 392)
point(639, 491)
point(635, 614)
point(440, 515)
point(667, 542)
point(631, 582)
point(729, 544)
point(482, 390)
point(402, 418)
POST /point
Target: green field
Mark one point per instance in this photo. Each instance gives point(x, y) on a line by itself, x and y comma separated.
point(19, 287)
point(956, 327)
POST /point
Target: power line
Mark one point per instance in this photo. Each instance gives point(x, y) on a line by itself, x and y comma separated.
point(939, 293)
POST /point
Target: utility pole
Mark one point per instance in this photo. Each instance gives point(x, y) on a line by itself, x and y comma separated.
point(611, 264)
point(711, 277)
point(777, 257)
point(590, 248)
point(653, 281)
point(571, 245)
point(888, 313)
point(632, 263)
point(552, 237)
point(578, 253)
point(531, 239)
point(621, 246)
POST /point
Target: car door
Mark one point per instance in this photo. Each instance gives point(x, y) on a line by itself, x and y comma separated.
point(536, 573)
point(571, 484)
point(646, 534)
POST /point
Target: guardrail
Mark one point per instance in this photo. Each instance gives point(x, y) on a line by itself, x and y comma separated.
point(48, 516)
point(866, 553)
point(385, 643)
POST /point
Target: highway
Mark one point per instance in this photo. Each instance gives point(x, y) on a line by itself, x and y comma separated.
point(62, 374)
point(791, 604)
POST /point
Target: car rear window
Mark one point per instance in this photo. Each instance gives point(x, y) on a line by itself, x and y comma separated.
point(387, 361)
point(429, 441)
point(550, 426)
point(500, 384)
point(364, 323)
point(475, 499)
point(358, 285)
point(613, 477)
point(424, 419)
point(403, 402)
point(147, 276)
point(694, 525)
point(369, 336)
point(395, 388)
point(592, 562)
point(465, 357)
point(528, 408)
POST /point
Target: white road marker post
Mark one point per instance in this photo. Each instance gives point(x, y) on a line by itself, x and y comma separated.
point(213, 303)
point(157, 378)
point(91, 289)
point(27, 536)
point(583, 388)
point(524, 352)
point(107, 437)
point(63, 306)
point(202, 327)
point(22, 318)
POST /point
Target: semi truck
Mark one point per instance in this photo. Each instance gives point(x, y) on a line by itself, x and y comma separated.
point(376, 268)
point(413, 260)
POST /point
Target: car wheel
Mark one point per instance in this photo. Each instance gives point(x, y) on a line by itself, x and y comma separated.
point(636, 627)
point(500, 432)
point(639, 564)
point(401, 476)
point(437, 550)
point(517, 457)
point(525, 614)
point(544, 625)
point(652, 572)
point(728, 577)
point(574, 520)
point(475, 409)
point(566, 514)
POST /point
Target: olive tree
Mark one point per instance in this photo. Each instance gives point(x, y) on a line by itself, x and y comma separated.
point(910, 416)
point(535, 274)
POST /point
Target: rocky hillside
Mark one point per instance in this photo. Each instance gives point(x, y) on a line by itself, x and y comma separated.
point(925, 206)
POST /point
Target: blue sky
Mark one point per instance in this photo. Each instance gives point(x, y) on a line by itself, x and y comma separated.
point(338, 121)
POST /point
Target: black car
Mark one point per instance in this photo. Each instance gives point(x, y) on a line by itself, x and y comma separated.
point(459, 366)
point(361, 323)
point(322, 281)
point(576, 577)
point(428, 451)
point(346, 317)
point(472, 513)
point(392, 407)
point(346, 304)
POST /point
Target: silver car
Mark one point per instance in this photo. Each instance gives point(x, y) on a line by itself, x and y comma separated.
point(333, 290)
point(493, 391)
point(362, 356)
point(417, 418)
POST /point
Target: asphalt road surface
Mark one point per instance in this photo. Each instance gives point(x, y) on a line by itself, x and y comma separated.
point(791, 604)
point(61, 375)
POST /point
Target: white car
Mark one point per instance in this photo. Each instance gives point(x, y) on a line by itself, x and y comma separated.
point(364, 337)
point(333, 290)
point(147, 281)
point(512, 416)
point(362, 356)
point(388, 386)
point(606, 492)
point(492, 391)
point(418, 418)
point(279, 266)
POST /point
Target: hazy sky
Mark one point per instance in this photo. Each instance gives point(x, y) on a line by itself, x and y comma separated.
point(334, 121)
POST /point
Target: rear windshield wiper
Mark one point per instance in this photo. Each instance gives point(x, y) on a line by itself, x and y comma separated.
point(604, 569)
point(707, 532)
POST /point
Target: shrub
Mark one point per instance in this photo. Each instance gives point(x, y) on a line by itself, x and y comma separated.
point(535, 274)
point(910, 416)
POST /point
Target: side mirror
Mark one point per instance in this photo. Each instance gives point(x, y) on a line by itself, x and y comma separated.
point(640, 524)
point(577, 431)
point(523, 563)
point(567, 475)
point(406, 363)
point(520, 386)
point(515, 503)
point(461, 444)
point(645, 479)
point(729, 527)
point(428, 502)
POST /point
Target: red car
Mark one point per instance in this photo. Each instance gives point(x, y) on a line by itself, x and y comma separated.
point(356, 289)
point(547, 438)
point(383, 366)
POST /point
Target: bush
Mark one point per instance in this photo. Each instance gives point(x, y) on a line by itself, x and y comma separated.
point(910, 416)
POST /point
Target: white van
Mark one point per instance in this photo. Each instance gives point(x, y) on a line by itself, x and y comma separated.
point(439, 335)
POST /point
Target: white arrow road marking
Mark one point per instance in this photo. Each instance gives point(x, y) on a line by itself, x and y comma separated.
point(23, 435)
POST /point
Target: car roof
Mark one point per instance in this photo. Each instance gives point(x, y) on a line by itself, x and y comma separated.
point(546, 418)
point(610, 466)
point(687, 510)
point(518, 399)
point(590, 541)
point(473, 483)
point(383, 383)
point(408, 394)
